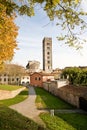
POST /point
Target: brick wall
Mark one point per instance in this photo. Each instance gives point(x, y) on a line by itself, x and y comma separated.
point(36, 79)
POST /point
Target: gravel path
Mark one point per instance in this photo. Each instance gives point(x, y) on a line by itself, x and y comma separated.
point(28, 107)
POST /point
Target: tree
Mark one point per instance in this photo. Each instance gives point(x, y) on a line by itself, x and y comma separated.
point(68, 13)
point(77, 75)
point(13, 71)
point(8, 34)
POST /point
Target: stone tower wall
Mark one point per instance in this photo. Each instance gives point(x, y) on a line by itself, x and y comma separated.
point(47, 54)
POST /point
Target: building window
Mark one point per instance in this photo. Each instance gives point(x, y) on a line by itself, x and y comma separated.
point(48, 53)
point(4, 74)
point(27, 77)
point(23, 82)
point(39, 78)
point(35, 78)
point(0, 79)
point(17, 79)
point(48, 48)
point(48, 62)
point(48, 43)
point(4, 79)
point(12, 79)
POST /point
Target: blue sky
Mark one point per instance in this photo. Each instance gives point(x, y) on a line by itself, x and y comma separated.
point(31, 33)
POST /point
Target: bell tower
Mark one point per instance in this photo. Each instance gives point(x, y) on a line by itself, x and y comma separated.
point(47, 54)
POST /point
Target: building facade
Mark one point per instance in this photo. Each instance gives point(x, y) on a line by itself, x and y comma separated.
point(25, 80)
point(9, 79)
point(37, 79)
point(33, 66)
point(47, 54)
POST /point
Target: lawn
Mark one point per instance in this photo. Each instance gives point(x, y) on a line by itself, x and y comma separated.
point(19, 98)
point(9, 87)
point(65, 121)
point(78, 121)
point(61, 121)
point(12, 120)
point(46, 100)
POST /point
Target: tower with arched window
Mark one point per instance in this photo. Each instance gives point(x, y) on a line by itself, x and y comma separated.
point(47, 54)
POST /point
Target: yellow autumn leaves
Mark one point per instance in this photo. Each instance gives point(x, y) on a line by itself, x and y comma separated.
point(8, 34)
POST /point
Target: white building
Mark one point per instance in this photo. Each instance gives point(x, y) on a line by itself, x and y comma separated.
point(7, 79)
point(25, 80)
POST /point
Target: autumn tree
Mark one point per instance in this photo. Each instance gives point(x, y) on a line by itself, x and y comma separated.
point(8, 34)
point(14, 70)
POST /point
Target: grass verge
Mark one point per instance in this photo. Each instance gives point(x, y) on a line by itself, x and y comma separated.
point(9, 87)
point(46, 100)
point(19, 98)
point(12, 120)
point(78, 121)
point(65, 121)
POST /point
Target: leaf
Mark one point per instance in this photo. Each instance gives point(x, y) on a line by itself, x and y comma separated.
point(76, 1)
point(8, 34)
point(55, 2)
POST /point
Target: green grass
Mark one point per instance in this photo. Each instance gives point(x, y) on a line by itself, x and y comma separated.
point(19, 98)
point(65, 121)
point(47, 100)
point(9, 87)
point(12, 120)
point(78, 121)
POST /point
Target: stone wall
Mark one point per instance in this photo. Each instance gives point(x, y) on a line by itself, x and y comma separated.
point(55, 84)
point(61, 83)
point(68, 97)
point(9, 94)
point(67, 93)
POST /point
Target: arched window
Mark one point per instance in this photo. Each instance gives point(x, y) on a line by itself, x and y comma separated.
point(39, 78)
point(48, 53)
point(35, 78)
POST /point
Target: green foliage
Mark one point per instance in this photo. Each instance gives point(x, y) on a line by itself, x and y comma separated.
point(9, 87)
point(77, 76)
point(68, 13)
point(12, 120)
point(19, 98)
point(62, 121)
point(46, 100)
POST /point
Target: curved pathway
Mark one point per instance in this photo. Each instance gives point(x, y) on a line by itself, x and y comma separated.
point(28, 107)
